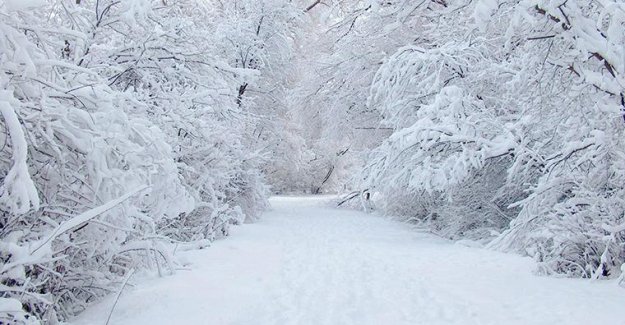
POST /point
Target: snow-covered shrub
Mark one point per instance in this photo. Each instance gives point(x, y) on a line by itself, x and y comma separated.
point(572, 219)
point(120, 134)
point(84, 152)
point(515, 107)
point(449, 157)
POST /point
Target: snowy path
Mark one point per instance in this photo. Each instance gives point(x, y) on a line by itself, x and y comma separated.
point(306, 263)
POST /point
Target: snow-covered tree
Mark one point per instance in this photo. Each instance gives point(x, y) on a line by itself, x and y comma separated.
point(509, 111)
point(121, 135)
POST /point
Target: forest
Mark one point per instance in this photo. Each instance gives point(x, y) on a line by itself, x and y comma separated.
point(134, 129)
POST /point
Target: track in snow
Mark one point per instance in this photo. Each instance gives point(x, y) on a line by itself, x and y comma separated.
point(308, 263)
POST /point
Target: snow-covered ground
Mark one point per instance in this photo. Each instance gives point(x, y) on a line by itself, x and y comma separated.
point(308, 263)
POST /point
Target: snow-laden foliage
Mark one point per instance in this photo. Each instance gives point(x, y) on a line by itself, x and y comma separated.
point(336, 65)
point(128, 126)
point(509, 123)
point(260, 36)
point(121, 134)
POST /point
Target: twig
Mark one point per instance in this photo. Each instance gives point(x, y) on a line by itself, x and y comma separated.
point(130, 273)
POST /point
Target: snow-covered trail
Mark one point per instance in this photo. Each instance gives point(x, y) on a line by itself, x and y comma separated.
point(308, 263)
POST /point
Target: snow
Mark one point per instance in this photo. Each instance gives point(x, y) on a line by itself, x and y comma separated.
point(23, 4)
point(10, 305)
point(306, 262)
point(483, 11)
point(17, 191)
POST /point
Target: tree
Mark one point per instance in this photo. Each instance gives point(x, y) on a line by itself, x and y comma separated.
point(122, 136)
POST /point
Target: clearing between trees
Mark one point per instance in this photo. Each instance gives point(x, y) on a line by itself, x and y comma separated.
point(306, 262)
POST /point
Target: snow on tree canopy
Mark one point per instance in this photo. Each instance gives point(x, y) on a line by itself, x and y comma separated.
point(130, 130)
